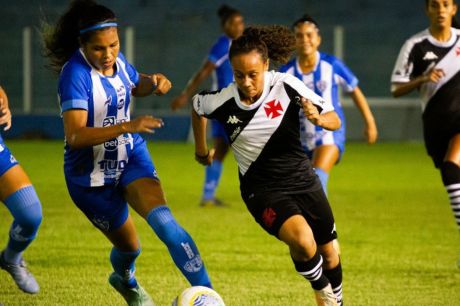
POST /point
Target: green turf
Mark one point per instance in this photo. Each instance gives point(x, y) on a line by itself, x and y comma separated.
point(398, 237)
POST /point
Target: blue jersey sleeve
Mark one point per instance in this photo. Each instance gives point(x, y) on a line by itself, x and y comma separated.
point(74, 88)
point(219, 51)
point(132, 72)
point(345, 77)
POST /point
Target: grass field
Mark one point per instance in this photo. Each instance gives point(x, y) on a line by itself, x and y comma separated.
point(399, 240)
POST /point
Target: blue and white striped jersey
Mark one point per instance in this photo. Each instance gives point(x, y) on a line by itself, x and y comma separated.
point(106, 99)
point(223, 74)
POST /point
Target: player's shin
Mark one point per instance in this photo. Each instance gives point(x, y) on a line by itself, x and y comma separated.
point(181, 246)
point(335, 278)
point(123, 265)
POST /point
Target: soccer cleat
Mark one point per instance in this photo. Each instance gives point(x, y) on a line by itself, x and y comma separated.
point(212, 202)
point(325, 297)
point(134, 296)
point(23, 278)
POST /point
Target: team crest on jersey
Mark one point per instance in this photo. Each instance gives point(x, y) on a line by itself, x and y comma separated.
point(321, 85)
point(273, 109)
point(429, 56)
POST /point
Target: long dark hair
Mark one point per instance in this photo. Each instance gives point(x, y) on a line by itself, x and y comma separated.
point(455, 22)
point(274, 42)
point(226, 12)
point(61, 41)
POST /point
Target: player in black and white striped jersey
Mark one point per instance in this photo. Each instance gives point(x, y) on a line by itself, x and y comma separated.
point(260, 115)
point(430, 62)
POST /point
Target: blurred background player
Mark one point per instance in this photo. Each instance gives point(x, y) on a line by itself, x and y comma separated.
point(323, 73)
point(277, 182)
point(19, 196)
point(428, 62)
point(106, 162)
point(217, 63)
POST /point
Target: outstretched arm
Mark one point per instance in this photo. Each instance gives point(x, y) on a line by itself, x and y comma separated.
point(202, 154)
point(5, 113)
point(156, 83)
point(329, 121)
point(370, 131)
point(192, 85)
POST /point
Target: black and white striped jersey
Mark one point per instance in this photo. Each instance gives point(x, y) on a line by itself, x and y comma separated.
point(265, 135)
point(419, 54)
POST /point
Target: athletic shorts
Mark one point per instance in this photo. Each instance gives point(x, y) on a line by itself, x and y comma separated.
point(272, 209)
point(7, 159)
point(218, 130)
point(105, 206)
point(437, 142)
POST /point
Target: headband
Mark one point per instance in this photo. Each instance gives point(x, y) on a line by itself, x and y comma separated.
point(99, 26)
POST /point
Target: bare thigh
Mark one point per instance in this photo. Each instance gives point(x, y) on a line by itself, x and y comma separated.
point(325, 157)
point(13, 180)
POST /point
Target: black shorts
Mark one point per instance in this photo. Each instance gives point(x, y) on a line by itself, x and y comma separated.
point(272, 209)
point(437, 142)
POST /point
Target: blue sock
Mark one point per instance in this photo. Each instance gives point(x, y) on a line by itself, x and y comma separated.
point(25, 207)
point(123, 265)
point(180, 245)
point(212, 177)
point(323, 177)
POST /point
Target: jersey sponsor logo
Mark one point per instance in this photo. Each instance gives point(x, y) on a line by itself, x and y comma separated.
point(273, 109)
point(233, 120)
point(111, 120)
point(429, 56)
point(108, 165)
point(113, 144)
point(235, 133)
point(268, 216)
point(121, 94)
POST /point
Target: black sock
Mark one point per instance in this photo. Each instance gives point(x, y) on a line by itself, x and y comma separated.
point(450, 173)
point(312, 271)
point(335, 278)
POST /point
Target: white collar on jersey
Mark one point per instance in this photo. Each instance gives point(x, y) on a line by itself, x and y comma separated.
point(115, 73)
point(443, 44)
point(267, 81)
point(297, 65)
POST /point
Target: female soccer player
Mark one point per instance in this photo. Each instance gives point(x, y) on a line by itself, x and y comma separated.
point(428, 62)
point(260, 115)
point(232, 25)
point(323, 73)
point(106, 162)
point(19, 196)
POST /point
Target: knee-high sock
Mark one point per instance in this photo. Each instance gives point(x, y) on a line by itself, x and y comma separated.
point(181, 246)
point(123, 265)
point(26, 209)
point(450, 173)
point(335, 278)
point(212, 177)
point(313, 272)
point(323, 177)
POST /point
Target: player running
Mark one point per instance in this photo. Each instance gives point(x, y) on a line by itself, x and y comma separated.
point(428, 62)
point(324, 74)
point(19, 196)
point(217, 63)
point(260, 115)
point(106, 162)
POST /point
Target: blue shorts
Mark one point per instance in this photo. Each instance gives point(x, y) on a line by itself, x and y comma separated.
point(7, 159)
point(105, 206)
point(218, 130)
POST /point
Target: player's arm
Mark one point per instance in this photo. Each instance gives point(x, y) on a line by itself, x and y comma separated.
point(193, 84)
point(78, 135)
point(370, 131)
point(148, 84)
point(329, 120)
point(202, 154)
point(5, 113)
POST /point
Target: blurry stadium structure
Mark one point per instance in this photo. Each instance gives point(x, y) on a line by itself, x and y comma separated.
point(174, 36)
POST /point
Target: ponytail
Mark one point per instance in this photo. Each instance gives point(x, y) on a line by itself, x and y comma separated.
point(274, 42)
point(72, 29)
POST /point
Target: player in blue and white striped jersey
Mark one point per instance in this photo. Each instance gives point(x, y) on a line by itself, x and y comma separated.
point(218, 64)
point(19, 196)
point(106, 163)
point(324, 74)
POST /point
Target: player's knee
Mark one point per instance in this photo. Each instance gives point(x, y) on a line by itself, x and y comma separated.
point(450, 173)
point(26, 209)
point(165, 226)
point(302, 245)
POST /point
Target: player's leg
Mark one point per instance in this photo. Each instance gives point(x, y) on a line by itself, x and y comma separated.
point(213, 172)
point(145, 196)
point(19, 196)
point(324, 158)
point(332, 268)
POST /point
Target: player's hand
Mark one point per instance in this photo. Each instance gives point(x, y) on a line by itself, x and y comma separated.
point(179, 102)
point(161, 83)
point(310, 111)
point(434, 75)
point(371, 133)
point(5, 115)
point(143, 124)
point(205, 159)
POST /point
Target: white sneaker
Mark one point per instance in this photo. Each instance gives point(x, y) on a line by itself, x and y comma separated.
point(134, 296)
point(325, 297)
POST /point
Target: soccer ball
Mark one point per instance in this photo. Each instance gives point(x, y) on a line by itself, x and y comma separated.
point(198, 296)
